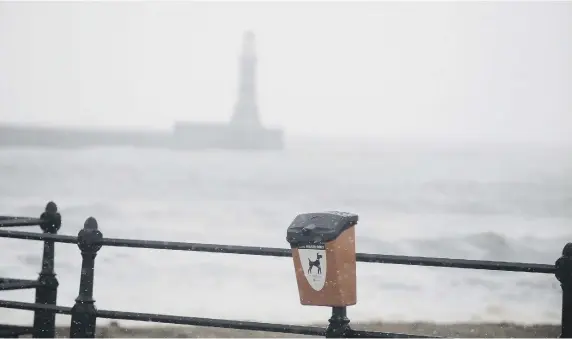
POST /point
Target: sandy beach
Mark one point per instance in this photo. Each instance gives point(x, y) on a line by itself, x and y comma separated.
point(466, 330)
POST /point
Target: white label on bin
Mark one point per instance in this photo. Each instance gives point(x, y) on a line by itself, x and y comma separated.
point(313, 259)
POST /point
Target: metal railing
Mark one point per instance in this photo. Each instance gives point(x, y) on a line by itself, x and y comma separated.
point(90, 240)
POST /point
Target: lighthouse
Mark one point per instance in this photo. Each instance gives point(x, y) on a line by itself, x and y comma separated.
point(246, 109)
point(245, 129)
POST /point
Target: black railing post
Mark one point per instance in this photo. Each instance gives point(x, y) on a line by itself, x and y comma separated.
point(47, 293)
point(564, 275)
point(339, 324)
point(83, 312)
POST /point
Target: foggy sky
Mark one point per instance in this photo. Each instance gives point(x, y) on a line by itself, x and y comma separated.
point(456, 70)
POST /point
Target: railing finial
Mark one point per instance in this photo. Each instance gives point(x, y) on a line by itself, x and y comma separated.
point(89, 238)
point(567, 250)
point(52, 220)
point(51, 207)
point(90, 224)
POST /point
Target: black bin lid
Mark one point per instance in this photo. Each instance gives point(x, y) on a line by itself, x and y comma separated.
point(312, 228)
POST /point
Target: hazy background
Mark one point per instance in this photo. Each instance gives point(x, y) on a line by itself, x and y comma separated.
point(482, 72)
point(452, 70)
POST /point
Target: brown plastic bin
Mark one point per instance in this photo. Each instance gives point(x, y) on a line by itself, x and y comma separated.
point(324, 254)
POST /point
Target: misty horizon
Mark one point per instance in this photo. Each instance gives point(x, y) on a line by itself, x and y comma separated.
point(487, 72)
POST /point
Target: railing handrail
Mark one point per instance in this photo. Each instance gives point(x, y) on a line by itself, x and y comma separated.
point(282, 252)
point(204, 322)
point(7, 284)
point(7, 221)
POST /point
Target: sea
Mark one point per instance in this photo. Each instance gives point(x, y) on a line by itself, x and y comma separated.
point(489, 202)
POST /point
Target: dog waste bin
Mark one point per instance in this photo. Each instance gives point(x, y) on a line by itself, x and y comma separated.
point(323, 249)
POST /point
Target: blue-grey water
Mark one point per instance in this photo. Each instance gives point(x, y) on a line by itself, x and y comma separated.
point(493, 203)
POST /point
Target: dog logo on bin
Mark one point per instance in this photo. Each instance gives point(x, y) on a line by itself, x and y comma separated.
point(313, 260)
